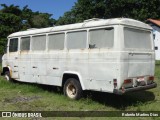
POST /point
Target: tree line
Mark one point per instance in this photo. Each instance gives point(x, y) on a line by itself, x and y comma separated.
point(136, 9)
point(13, 19)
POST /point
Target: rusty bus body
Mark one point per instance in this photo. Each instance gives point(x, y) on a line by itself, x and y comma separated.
point(112, 55)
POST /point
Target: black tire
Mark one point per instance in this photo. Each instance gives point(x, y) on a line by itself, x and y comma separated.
point(72, 89)
point(8, 76)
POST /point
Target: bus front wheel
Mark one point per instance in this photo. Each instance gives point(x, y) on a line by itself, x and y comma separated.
point(72, 89)
point(7, 76)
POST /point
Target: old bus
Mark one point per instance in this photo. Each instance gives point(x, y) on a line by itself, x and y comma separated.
point(107, 55)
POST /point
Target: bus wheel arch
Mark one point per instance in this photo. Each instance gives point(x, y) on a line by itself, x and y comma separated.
point(7, 73)
point(5, 69)
point(72, 87)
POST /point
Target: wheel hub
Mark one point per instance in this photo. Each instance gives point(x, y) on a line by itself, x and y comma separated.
point(7, 77)
point(71, 90)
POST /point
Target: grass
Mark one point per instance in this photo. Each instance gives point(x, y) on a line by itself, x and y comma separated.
point(31, 97)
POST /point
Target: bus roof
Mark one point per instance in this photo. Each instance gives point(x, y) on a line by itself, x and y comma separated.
point(95, 22)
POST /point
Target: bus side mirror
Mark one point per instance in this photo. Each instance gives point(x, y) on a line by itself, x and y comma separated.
point(156, 48)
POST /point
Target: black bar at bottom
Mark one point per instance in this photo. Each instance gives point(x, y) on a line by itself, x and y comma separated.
point(80, 114)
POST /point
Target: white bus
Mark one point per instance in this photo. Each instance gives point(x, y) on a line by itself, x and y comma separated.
point(107, 55)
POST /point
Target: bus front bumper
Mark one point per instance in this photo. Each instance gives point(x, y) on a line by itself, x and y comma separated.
point(138, 88)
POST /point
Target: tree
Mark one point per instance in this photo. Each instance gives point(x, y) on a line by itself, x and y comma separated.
point(82, 10)
point(13, 19)
point(11, 9)
point(39, 20)
point(136, 9)
point(36, 19)
point(10, 21)
point(68, 18)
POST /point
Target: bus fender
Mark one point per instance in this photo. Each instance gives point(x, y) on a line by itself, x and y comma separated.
point(5, 69)
point(77, 74)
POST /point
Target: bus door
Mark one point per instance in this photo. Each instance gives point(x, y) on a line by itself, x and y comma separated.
point(13, 57)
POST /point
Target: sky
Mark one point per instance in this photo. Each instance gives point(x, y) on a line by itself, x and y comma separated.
point(55, 7)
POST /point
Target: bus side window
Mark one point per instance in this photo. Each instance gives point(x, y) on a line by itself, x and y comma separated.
point(25, 43)
point(13, 45)
point(39, 42)
point(101, 38)
point(56, 41)
point(77, 40)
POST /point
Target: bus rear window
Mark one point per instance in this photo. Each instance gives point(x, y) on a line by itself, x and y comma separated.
point(134, 38)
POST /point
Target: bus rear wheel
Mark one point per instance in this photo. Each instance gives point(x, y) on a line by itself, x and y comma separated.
point(72, 89)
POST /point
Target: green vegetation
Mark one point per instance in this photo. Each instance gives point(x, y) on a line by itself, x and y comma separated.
point(31, 97)
point(13, 19)
point(87, 9)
